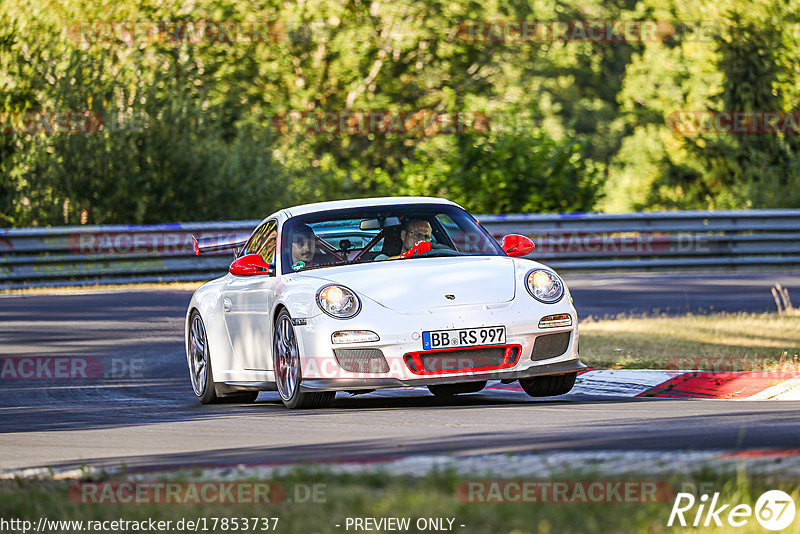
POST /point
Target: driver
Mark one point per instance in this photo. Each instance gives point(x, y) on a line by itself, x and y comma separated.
point(416, 235)
point(304, 247)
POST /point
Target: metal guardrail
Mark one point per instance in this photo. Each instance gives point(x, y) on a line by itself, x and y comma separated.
point(644, 241)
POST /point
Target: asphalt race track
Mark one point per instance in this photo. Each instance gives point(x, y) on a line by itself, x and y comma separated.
point(141, 412)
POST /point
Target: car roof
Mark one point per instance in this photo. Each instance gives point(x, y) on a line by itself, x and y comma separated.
point(361, 202)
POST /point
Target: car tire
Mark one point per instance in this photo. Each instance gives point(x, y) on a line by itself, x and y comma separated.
point(450, 390)
point(548, 386)
point(199, 360)
point(288, 374)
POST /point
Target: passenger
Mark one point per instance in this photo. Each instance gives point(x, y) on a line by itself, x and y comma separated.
point(304, 247)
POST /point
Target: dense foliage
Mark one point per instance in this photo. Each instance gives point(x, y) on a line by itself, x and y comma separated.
point(189, 129)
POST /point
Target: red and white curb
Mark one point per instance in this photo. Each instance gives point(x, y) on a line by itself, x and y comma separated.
point(738, 385)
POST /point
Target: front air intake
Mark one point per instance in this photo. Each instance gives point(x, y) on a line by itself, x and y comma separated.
point(550, 346)
point(361, 360)
point(471, 359)
point(453, 360)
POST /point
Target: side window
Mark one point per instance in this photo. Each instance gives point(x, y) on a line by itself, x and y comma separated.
point(462, 241)
point(263, 241)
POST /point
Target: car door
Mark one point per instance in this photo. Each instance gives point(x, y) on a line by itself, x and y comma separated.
point(247, 301)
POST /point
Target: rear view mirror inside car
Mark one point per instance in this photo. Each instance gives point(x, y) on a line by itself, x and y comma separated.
point(377, 224)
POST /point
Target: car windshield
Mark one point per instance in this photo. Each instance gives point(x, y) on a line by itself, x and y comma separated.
point(383, 233)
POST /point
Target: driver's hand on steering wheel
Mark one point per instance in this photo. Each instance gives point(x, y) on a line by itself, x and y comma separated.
point(421, 247)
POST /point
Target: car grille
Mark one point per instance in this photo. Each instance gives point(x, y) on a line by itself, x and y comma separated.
point(463, 359)
point(550, 346)
point(361, 360)
point(453, 360)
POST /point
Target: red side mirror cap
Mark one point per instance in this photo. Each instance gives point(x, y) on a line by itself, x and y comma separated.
point(516, 245)
point(251, 265)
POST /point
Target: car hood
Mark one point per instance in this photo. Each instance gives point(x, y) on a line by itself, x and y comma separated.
point(416, 285)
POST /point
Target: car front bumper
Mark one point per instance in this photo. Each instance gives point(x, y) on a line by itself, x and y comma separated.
point(400, 334)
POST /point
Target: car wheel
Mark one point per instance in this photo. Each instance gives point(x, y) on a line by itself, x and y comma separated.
point(449, 390)
point(548, 386)
point(200, 367)
point(288, 375)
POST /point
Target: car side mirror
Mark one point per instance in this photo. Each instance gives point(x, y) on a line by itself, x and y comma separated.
point(251, 265)
point(516, 245)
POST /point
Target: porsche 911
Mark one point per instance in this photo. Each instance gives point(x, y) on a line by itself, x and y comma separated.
point(357, 295)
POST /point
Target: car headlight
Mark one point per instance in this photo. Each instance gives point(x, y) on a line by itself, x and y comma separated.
point(338, 301)
point(544, 285)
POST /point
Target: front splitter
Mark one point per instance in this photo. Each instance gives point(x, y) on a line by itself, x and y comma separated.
point(337, 384)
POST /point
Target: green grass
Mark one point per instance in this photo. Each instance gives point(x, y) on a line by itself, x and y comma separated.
point(380, 495)
point(723, 341)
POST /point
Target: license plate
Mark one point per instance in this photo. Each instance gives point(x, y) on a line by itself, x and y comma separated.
point(463, 337)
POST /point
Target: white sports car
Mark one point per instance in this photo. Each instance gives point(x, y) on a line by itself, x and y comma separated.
point(355, 295)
